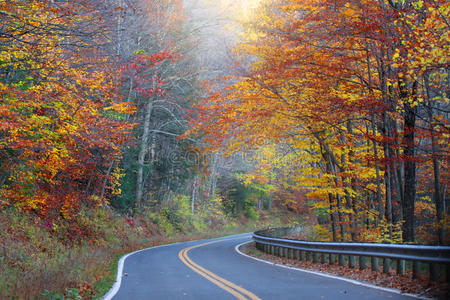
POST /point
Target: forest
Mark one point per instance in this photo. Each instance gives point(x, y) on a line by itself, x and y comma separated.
point(129, 123)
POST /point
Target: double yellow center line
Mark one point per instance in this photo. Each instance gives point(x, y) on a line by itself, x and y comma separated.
point(230, 287)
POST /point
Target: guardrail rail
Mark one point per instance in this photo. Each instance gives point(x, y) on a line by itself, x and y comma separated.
point(436, 257)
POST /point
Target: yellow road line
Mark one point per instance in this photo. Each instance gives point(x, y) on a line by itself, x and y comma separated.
point(230, 287)
point(218, 283)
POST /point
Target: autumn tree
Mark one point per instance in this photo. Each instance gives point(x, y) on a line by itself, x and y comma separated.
point(60, 110)
point(337, 82)
point(159, 77)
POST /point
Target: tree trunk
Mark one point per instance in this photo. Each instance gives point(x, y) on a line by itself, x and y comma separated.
point(194, 191)
point(341, 217)
point(213, 180)
point(327, 160)
point(333, 218)
point(410, 164)
point(437, 176)
point(387, 101)
point(119, 27)
point(351, 203)
point(387, 174)
point(142, 152)
point(377, 172)
point(339, 201)
point(105, 182)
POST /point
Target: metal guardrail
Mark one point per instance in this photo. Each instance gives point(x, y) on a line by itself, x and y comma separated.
point(270, 241)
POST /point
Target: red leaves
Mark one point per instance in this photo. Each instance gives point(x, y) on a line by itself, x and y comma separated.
point(143, 70)
point(57, 139)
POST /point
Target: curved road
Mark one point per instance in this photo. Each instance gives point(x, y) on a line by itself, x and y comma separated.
point(212, 269)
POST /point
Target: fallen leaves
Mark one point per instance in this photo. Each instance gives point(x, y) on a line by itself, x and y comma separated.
point(404, 283)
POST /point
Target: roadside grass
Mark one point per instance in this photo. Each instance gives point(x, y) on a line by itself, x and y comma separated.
point(77, 258)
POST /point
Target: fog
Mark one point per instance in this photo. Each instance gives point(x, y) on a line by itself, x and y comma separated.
point(215, 26)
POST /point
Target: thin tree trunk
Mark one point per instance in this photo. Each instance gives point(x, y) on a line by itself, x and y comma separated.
point(331, 169)
point(387, 174)
point(130, 93)
point(339, 202)
point(105, 182)
point(194, 190)
point(213, 180)
point(397, 174)
point(142, 153)
point(377, 172)
point(437, 176)
point(327, 160)
point(332, 218)
point(410, 164)
point(351, 203)
point(387, 101)
point(119, 27)
point(340, 216)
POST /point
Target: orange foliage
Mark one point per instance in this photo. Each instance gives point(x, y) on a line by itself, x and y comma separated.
point(331, 81)
point(60, 114)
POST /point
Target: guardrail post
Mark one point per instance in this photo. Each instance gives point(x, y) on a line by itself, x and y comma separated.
point(315, 257)
point(331, 259)
point(386, 265)
point(434, 272)
point(416, 269)
point(362, 262)
point(308, 256)
point(401, 266)
point(302, 255)
point(323, 258)
point(374, 262)
point(341, 260)
point(351, 261)
point(285, 254)
point(291, 253)
point(296, 254)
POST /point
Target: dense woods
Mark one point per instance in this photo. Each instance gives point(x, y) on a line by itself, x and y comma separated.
point(76, 88)
point(345, 102)
point(122, 120)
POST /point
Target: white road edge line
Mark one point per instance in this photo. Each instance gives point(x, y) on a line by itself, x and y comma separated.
point(365, 284)
point(116, 286)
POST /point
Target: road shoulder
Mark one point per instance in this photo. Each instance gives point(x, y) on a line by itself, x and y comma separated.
point(247, 249)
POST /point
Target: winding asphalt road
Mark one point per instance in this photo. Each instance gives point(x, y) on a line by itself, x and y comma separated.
point(213, 269)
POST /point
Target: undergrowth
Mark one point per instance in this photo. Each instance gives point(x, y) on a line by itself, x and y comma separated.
point(77, 258)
